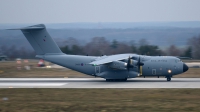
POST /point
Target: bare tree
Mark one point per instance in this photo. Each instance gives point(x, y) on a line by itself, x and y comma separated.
point(143, 42)
point(71, 41)
point(122, 48)
point(174, 51)
point(194, 42)
point(98, 46)
point(3, 49)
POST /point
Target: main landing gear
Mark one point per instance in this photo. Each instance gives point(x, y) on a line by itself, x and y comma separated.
point(113, 80)
point(168, 78)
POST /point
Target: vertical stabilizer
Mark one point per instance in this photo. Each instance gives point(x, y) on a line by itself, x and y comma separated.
point(40, 39)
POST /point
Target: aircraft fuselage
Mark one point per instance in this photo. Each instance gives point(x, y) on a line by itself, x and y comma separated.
point(153, 66)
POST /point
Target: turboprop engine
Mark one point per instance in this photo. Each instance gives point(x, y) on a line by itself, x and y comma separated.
point(118, 65)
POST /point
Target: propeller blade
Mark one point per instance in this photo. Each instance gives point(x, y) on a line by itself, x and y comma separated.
point(128, 64)
point(140, 70)
point(139, 60)
point(140, 64)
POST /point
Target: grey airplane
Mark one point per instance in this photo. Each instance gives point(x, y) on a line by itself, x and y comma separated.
point(118, 67)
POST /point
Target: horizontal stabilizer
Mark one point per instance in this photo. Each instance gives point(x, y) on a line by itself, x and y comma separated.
point(35, 27)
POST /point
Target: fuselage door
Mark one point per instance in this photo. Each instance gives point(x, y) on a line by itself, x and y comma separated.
point(153, 71)
point(97, 69)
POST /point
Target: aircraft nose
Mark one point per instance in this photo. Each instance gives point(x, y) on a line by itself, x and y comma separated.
point(185, 67)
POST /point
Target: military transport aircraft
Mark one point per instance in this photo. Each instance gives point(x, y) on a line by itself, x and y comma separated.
point(118, 67)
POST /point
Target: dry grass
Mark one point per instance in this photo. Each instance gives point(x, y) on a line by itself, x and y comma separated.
point(104, 100)
point(9, 70)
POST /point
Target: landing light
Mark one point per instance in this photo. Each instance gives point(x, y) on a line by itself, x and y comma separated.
point(48, 66)
point(125, 64)
point(169, 71)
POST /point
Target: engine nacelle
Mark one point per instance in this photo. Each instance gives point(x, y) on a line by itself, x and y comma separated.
point(133, 62)
point(118, 65)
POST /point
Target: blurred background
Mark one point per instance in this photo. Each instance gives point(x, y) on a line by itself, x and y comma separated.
point(160, 38)
point(180, 39)
point(96, 28)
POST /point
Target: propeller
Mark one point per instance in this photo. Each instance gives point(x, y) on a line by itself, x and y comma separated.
point(129, 64)
point(140, 64)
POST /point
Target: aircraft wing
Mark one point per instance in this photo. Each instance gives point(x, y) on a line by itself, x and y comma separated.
point(184, 57)
point(109, 59)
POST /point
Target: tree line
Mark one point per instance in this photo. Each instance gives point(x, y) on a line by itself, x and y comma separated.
point(99, 46)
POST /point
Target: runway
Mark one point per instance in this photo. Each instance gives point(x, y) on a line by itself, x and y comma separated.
point(98, 83)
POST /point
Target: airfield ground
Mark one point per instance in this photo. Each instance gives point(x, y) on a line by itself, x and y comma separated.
point(9, 70)
point(91, 100)
point(99, 100)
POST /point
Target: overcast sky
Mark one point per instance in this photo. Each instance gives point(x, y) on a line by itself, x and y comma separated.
point(66, 11)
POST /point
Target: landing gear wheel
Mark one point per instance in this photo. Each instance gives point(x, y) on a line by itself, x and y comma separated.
point(107, 80)
point(168, 78)
point(115, 80)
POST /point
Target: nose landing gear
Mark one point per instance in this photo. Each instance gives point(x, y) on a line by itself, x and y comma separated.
point(168, 78)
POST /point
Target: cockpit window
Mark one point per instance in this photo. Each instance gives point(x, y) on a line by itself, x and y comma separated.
point(178, 61)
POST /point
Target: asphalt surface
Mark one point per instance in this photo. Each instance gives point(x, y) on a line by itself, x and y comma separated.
point(193, 64)
point(98, 83)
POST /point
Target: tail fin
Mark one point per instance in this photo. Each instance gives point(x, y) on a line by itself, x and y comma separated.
point(40, 39)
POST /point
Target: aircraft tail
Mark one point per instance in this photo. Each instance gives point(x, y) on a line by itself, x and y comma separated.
point(40, 39)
